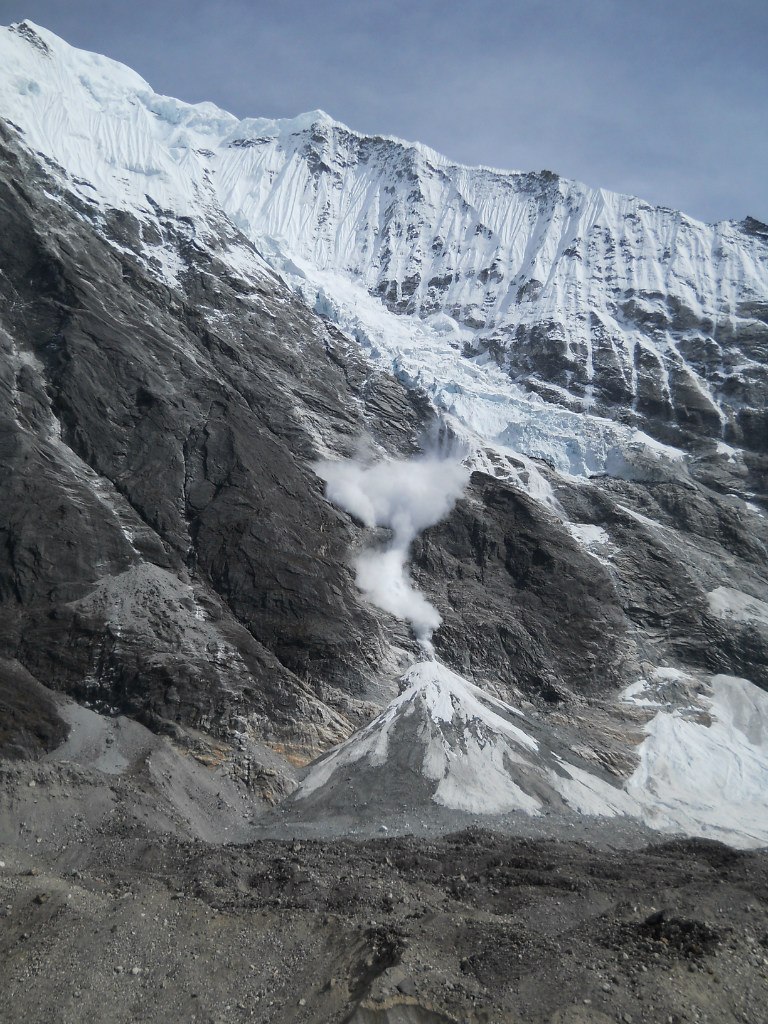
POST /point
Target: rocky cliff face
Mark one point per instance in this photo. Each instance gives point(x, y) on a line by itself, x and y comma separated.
point(194, 310)
point(155, 443)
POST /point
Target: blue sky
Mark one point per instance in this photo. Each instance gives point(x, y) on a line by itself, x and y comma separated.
point(666, 100)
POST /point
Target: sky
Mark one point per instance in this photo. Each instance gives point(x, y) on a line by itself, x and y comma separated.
point(664, 99)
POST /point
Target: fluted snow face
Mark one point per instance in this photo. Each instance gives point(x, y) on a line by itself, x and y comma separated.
point(598, 294)
point(435, 236)
point(504, 283)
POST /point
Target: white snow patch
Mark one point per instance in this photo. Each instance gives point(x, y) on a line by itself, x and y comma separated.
point(589, 794)
point(651, 444)
point(726, 449)
point(588, 535)
point(670, 673)
point(727, 603)
point(638, 693)
point(594, 539)
point(707, 775)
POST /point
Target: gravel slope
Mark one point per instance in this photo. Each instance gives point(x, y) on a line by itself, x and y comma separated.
point(470, 927)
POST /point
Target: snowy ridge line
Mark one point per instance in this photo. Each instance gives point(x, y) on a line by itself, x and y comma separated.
point(591, 297)
point(205, 114)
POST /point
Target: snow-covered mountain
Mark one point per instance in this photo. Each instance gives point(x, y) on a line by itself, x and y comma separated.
point(507, 285)
point(200, 314)
point(593, 299)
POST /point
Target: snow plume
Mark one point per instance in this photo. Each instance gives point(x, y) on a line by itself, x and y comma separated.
point(406, 496)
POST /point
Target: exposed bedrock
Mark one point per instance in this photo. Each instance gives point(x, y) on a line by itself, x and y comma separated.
point(528, 605)
point(30, 722)
point(167, 548)
point(520, 599)
point(670, 545)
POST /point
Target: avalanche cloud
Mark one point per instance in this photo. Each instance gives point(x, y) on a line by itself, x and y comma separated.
point(405, 496)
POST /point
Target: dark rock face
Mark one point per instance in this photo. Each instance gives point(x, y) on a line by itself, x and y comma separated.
point(30, 724)
point(675, 542)
point(167, 550)
point(520, 598)
point(525, 604)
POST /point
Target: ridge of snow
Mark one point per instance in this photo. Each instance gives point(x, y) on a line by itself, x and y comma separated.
point(465, 257)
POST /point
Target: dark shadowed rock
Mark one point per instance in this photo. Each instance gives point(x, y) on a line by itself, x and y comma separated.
point(30, 724)
point(520, 599)
point(169, 551)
